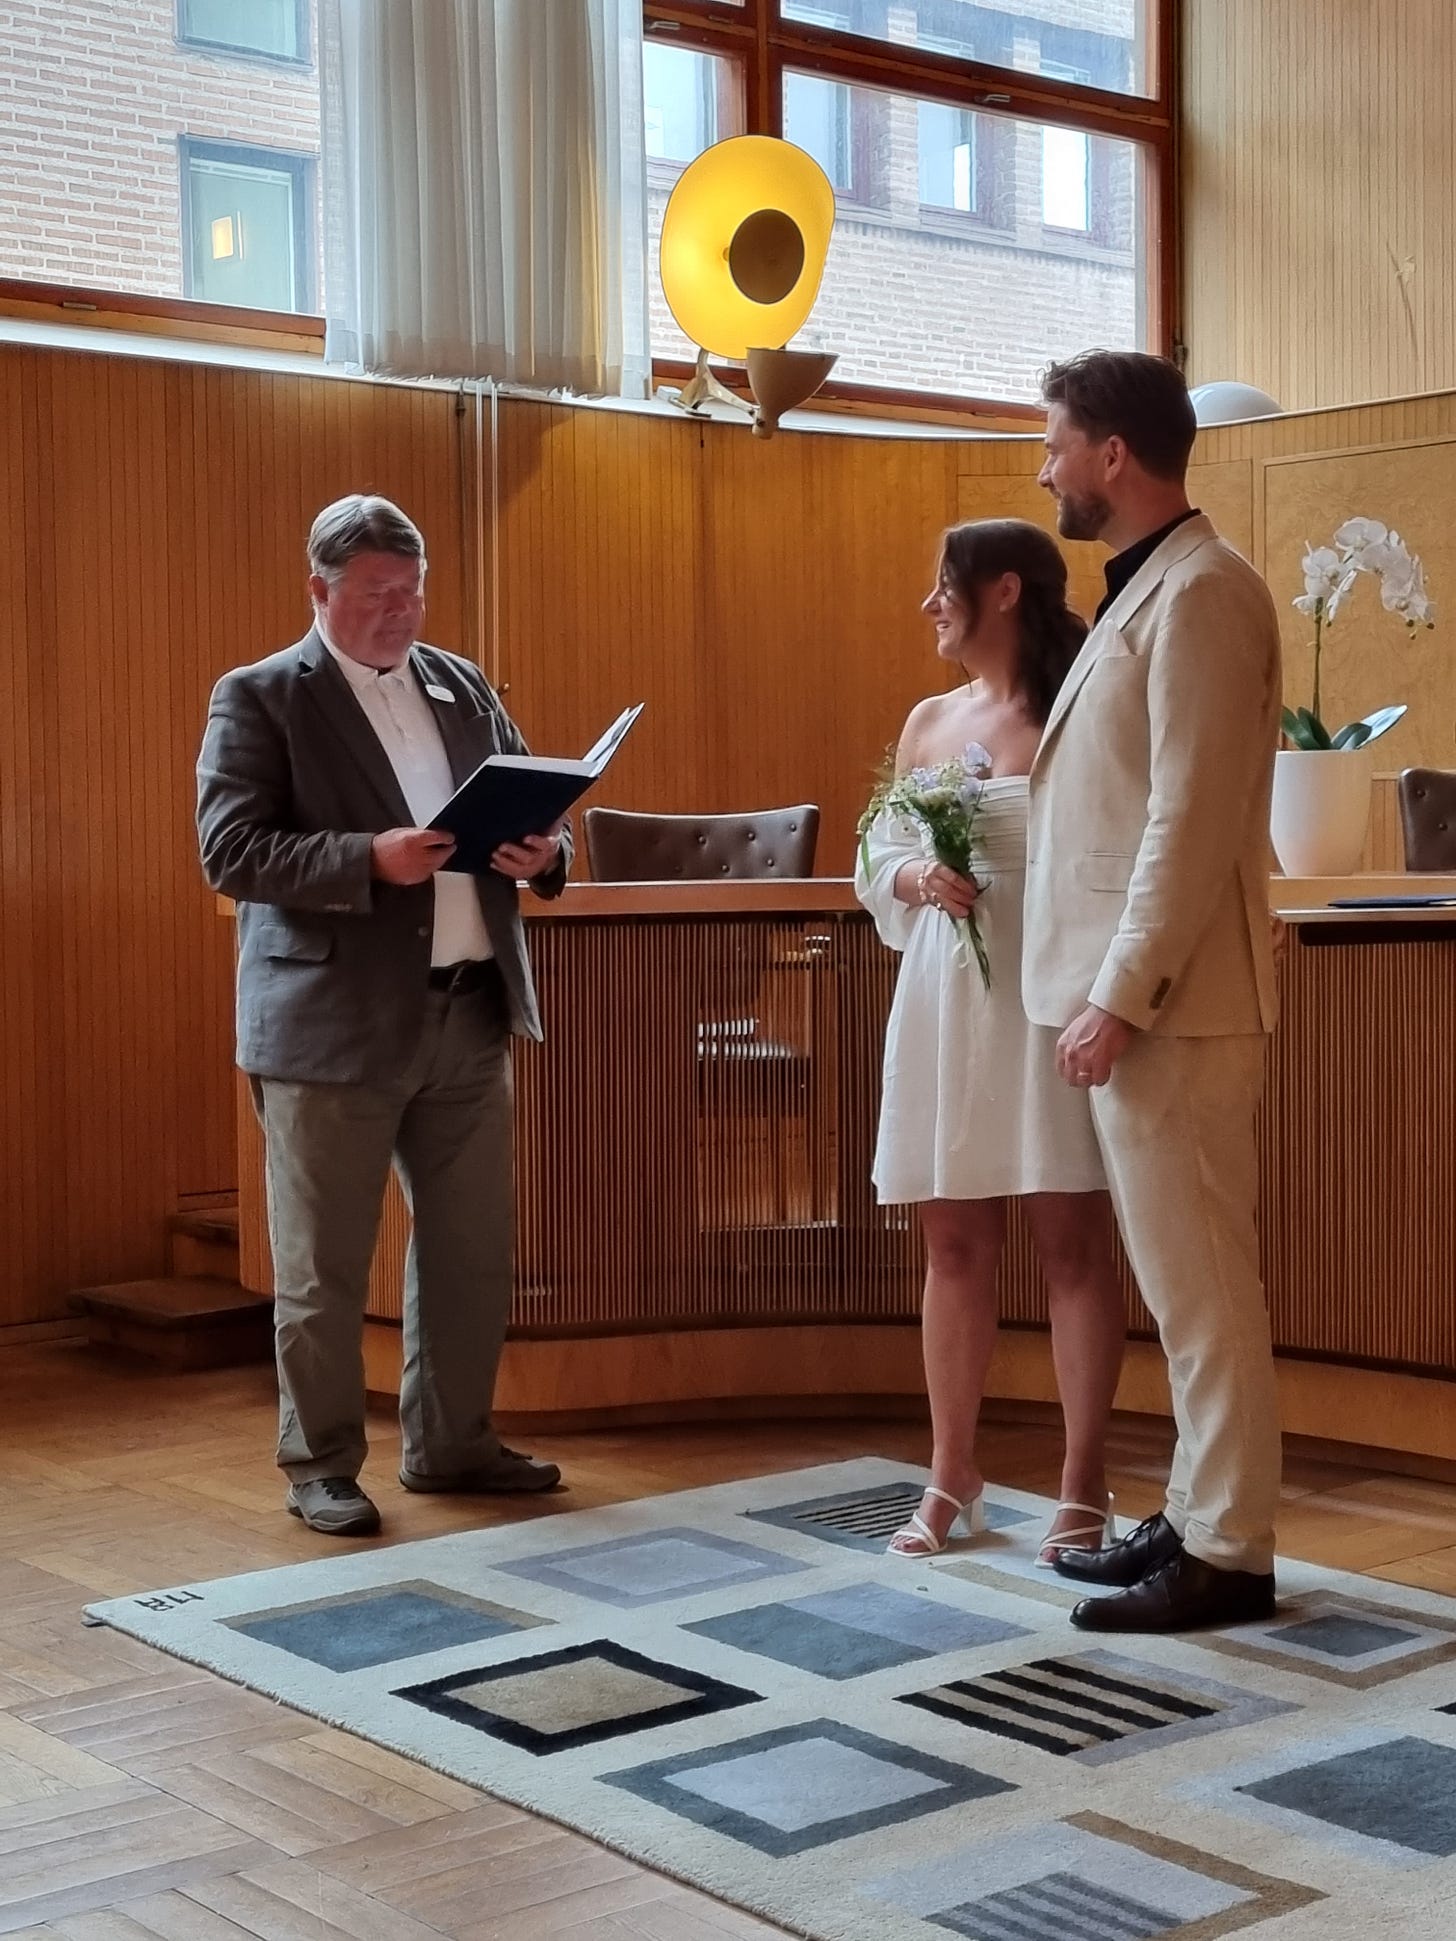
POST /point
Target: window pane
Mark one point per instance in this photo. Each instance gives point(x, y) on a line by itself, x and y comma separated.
point(91, 175)
point(974, 248)
point(244, 246)
point(690, 100)
point(258, 26)
point(1100, 42)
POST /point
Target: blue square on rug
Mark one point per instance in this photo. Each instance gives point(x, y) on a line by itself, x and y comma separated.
point(866, 1519)
point(1096, 1707)
point(804, 1786)
point(575, 1697)
point(860, 1628)
point(1400, 1790)
point(652, 1567)
point(1349, 1641)
point(381, 1625)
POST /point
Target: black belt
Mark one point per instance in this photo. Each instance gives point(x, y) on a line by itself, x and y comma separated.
point(473, 974)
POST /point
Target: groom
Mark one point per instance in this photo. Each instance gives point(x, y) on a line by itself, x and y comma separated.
point(1148, 947)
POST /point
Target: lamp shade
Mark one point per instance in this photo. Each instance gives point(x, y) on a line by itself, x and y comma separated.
point(744, 240)
point(1229, 403)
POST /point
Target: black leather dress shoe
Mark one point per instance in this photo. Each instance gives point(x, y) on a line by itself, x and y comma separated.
point(1137, 1555)
point(1185, 1595)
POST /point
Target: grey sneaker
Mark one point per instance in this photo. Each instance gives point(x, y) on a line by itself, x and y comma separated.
point(507, 1473)
point(335, 1506)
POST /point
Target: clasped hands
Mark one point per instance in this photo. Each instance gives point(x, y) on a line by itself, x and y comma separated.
point(410, 856)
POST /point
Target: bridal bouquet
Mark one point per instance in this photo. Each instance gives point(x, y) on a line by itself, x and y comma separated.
point(945, 800)
point(1330, 572)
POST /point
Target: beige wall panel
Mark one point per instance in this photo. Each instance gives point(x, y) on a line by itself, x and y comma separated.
point(1319, 173)
point(1368, 660)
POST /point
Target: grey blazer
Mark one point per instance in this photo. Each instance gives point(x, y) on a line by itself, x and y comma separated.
point(292, 785)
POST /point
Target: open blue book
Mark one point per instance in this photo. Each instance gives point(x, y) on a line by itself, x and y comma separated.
point(511, 796)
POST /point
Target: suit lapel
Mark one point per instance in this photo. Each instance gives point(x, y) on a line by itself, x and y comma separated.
point(452, 717)
point(328, 689)
point(1191, 534)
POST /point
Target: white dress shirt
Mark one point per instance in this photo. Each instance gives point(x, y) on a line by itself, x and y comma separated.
point(409, 734)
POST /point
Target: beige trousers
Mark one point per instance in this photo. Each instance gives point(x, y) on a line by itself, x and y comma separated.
point(1176, 1127)
point(446, 1126)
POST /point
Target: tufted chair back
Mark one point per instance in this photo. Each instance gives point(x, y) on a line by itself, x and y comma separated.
point(1428, 818)
point(624, 847)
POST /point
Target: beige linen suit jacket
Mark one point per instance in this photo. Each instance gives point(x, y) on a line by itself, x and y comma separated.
point(1148, 858)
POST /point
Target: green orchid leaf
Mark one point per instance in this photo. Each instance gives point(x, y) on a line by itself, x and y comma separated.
point(1315, 733)
point(1354, 735)
point(1290, 722)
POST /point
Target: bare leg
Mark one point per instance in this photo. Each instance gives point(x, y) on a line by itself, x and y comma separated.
point(1072, 1233)
point(963, 1242)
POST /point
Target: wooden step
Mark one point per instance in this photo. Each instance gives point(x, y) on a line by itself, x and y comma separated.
point(186, 1321)
point(203, 1244)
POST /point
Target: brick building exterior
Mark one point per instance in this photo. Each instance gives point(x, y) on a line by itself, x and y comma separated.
point(105, 108)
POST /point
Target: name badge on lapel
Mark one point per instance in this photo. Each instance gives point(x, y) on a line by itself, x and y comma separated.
point(438, 693)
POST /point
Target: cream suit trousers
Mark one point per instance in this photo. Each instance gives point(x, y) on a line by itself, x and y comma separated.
point(1176, 1126)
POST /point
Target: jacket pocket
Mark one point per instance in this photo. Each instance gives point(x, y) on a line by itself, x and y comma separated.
point(276, 940)
point(1104, 869)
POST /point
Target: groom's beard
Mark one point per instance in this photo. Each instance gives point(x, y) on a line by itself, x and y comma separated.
point(1084, 517)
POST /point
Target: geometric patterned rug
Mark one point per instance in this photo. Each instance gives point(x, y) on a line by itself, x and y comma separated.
point(737, 1686)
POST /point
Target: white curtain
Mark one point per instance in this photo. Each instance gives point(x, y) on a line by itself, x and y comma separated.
point(484, 195)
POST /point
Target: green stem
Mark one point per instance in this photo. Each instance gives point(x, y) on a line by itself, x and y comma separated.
point(1319, 627)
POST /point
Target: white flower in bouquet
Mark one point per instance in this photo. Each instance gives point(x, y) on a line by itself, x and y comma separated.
point(945, 799)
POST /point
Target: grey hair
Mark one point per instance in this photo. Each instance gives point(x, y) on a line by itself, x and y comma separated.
point(361, 523)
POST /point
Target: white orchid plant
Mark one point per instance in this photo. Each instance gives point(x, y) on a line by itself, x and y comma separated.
point(1330, 572)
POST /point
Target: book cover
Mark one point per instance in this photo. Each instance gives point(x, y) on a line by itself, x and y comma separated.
point(513, 796)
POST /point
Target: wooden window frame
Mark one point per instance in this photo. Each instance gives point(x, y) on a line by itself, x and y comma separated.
point(764, 43)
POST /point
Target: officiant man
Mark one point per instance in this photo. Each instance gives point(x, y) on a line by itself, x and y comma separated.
point(377, 995)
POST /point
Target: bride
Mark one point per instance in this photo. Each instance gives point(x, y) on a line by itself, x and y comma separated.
point(973, 1113)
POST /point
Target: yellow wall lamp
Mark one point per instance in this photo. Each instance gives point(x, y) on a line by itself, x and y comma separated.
point(744, 240)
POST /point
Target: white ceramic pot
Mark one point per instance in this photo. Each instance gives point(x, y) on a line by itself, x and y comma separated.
point(1321, 810)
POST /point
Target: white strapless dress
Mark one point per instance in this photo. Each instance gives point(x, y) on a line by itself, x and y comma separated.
point(972, 1107)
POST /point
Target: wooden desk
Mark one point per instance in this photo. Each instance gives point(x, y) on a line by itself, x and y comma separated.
point(696, 1225)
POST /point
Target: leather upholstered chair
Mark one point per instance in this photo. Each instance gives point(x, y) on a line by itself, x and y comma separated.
point(624, 847)
point(1428, 818)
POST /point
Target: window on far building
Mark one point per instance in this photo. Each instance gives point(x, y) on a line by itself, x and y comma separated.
point(681, 111)
point(816, 119)
point(950, 175)
point(245, 220)
point(275, 28)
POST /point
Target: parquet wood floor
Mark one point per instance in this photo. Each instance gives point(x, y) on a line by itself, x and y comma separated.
point(142, 1800)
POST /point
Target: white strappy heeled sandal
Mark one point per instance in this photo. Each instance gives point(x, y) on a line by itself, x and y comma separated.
point(1101, 1532)
point(969, 1521)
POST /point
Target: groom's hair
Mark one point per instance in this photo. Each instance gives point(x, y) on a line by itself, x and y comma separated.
point(1127, 394)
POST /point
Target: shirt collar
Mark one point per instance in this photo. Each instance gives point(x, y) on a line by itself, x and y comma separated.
point(355, 672)
point(1120, 569)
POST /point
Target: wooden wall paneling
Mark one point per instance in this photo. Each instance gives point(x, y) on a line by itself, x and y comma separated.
point(1368, 661)
point(600, 597)
point(1319, 163)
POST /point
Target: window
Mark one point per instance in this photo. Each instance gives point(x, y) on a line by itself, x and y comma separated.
point(690, 100)
point(1110, 36)
point(816, 119)
point(278, 29)
point(1002, 171)
point(245, 217)
point(949, 176)
point(681, 108)
point(106, 175)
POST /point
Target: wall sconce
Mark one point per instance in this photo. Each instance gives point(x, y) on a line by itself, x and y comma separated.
point(744, 240)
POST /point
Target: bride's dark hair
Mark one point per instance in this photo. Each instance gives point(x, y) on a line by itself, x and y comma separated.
point(1051, 633)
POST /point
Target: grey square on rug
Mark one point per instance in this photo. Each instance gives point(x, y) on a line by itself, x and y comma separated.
point(739, 1686)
